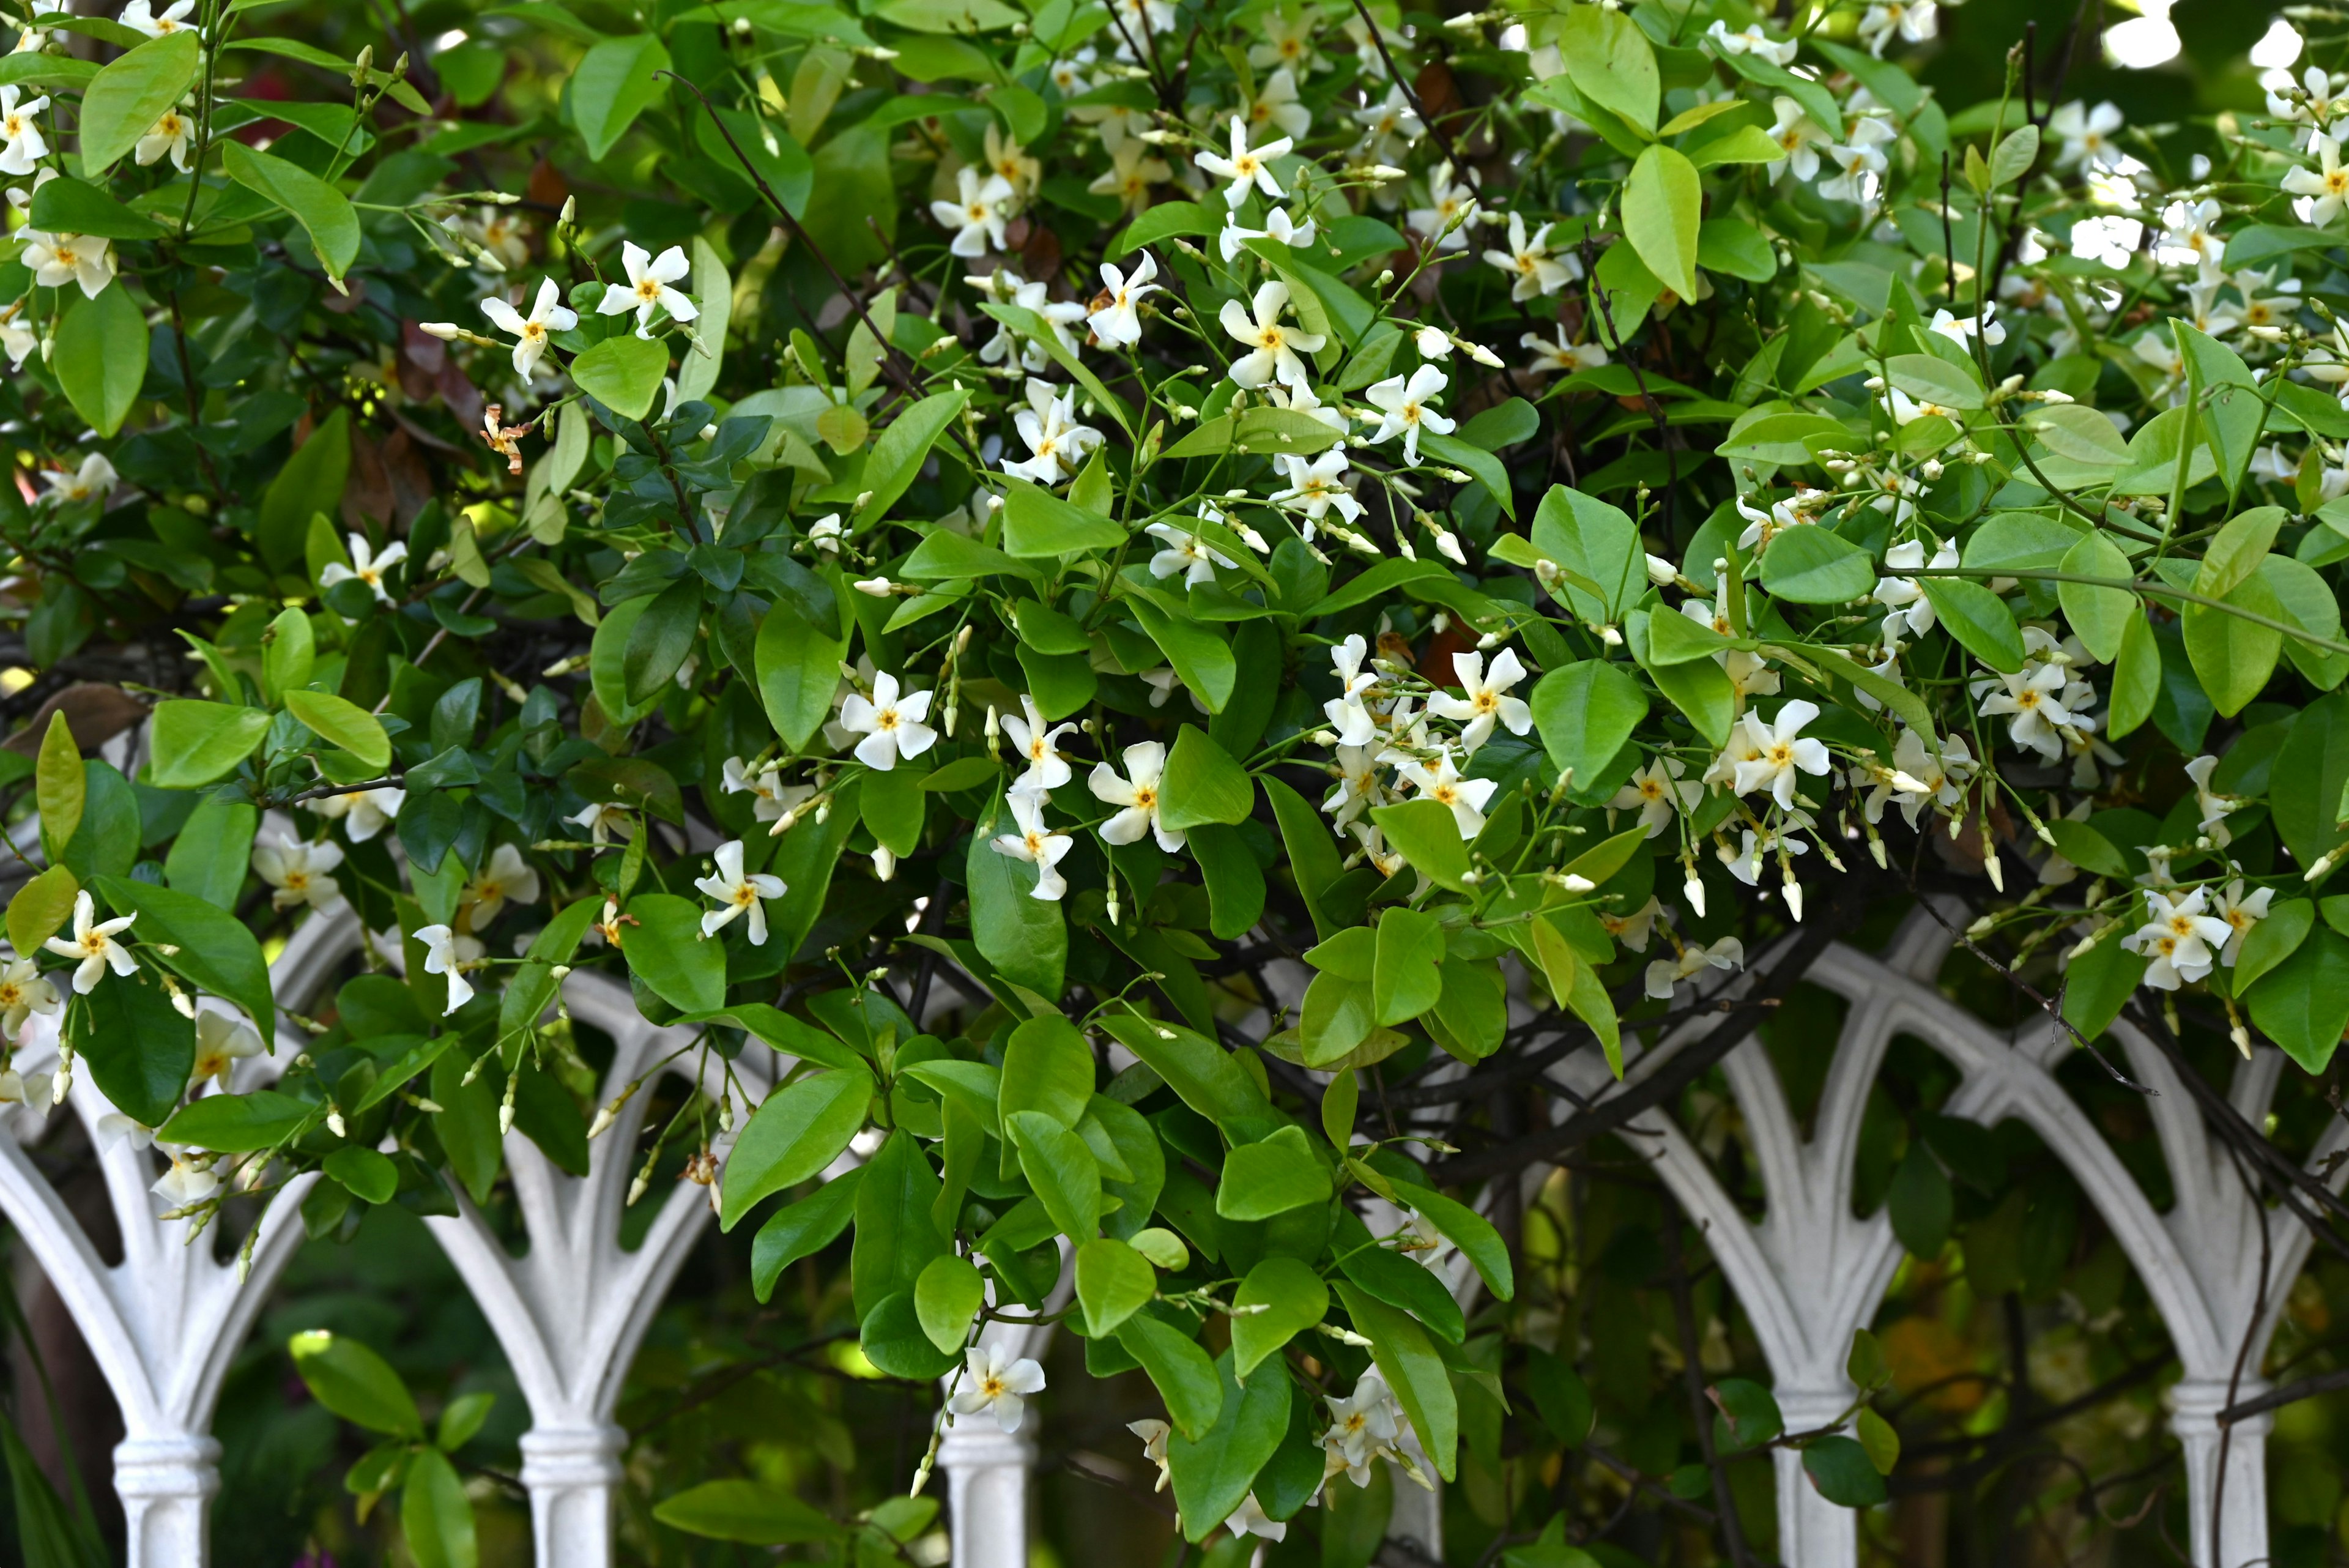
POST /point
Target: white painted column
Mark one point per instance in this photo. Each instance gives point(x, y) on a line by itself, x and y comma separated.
point(570, 1473)
point(167, 1485)
point(987, 1491)
point(1812, 1531)
point(2243, 1504)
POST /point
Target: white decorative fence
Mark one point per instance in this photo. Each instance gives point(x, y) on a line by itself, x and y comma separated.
point(164, 1322)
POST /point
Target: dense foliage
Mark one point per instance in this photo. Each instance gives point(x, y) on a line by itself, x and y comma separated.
point(1172, 605)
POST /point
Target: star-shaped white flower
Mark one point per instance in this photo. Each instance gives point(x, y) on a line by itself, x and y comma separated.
point(547, 315)
point(2242, 911)
point(981, 207)
point(22, 145)
point(1486, 702)
point(1557, 356)
point(167, 137)
point(1533, 271)
point(94, 480)
point(1404, 409)
point(775, 799)
point(1656, 792)
point(445, 952)
point(1315, 485)
point(1780, 751)
point(192, 1176)
point(61, 259)
point(140, 16)
point(1036, 844)
point(23, 993)
point(1115, 320)
point(366, 565)
point(364, 812)
point(223, 1040)
point(2087, 133)
point(737, 894)
point(507, 876)
point(1247, 168)
point(1057, 443)
point(93, 943)
point(299, 873)
point(649, 287)
point(995, 1384)
point(2178, 937)
point(1449, 210)
point(1348, 712)
point(1279, 226)
point(1038, 745)
point(1154, 1435)
point(1186, 556)
point(602, 820)
point(891, 722)
point(1274, 350)
point(1364, 1427)
point(34, 1093)
point(2031, 702)
point(1903, 596)
point(1442, 782)
point(1664, 974)
point(1138, 796)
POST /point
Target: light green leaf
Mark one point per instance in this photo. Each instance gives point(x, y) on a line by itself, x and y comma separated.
point(1427, 836)
point(102, 357)
point(1292, 1299)
point(1611, 62)
point(1979, 620)
point(613, 84)
point(323, 213)
point(2099, 617)
point(1584, 712)
point(1272, 1177)
point(356, 1384)
point(1039, 526)
point(796, 1132)
point(1113, 1282)
point(758, 1514)
point(1062, 1169)
point(1664, 205)
point(1815, 566)
point(1408, 1362)
point(1203, 784)
point(1046, 1068)
point(196, 742)
point(131, 93)
point(623, 373)
point(667, 950)
point(342, 723)
point(2232, 656)
point(902, 449)
point(946, 1295)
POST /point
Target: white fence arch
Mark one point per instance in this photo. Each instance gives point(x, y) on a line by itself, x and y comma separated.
point(164, 1322)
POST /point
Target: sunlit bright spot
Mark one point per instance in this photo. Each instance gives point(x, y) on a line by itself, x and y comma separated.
point(2143, 42)
point(2278, 47)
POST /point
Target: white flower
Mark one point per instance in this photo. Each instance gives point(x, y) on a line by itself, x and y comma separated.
point(1134, 170)
point(2325, 187)
point(2177, 937)
point(223, 1040)
point(2085, 133)
point(1634, 928)
point(300, 872)
point(36, 1093)
point(1300, 400)
point(1115, 320)
point(1753, 40)
point(1153, 1446)
point(114, 1129)
point(1355, 723)
point(1798, 138)
point(1249, 1519)
point(1278, 226)
point(1902, 596)
point(649, 287)
point(1274, 349)
point(1011, 162)
point(1960, 329)
point(1036, 844)
point(602, 819)
point(1186, 556)
point(1137, 796)
point(364, 812)
point(1247, 168)
point(93, 943)
point(1389, 127)
point(2212, 807)
point(1059, 315)
point(23, 993)
point(57, 260)
point(1528, 261)
point(1315, 485)
point(1915, 20)
point(1277, 106)
point(1404, 411)
point(21, 142)
point(1860, 166)
point(17, 336)
point(94, 480)
point(2033, 702)
point(1358, 788)
point(1780, 752)
point(140, 15)
point(368, 569)
point(737, 894)
point(1039, 745)
point(1057, 444)
point(1443, 784)
point(994, 1385)
point(2242, 911)
point(1486, 702)
point(979, 213)
point(445, 952)
point(1918, 778)
point(169, 137)
point(1558, 357)
point(548, 314)
point(1450, 207)
point(1363, 1429)
point(1657, 792)
point(891, 724)
point(507, 876)
point(192, 1177)
point(1664, 974)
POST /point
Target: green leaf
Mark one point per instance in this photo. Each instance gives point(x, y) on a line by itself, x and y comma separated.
point(435, 1515)
point(2232, 656)
point(666, 950)
point(289, 654)
point(310, 485)
point(356, 1384)
point(1046, 1068)
point(1062, 1169)
point(2088, 849)
point(1039, 526)
point(1584, 713)
point(1203, 784)
point(323, 213)
point(1293, 1299)
point(2136, 677)
point(946, 1296)
point(1408, 1362)
point(58, 787)
point(1815, 566)
point(102, 357)
point(40, 908)
point(623, 373)
point(801, 1229)
point(343, 723)
point(371, 1176)
point(796, 1132)
point(615, 83)
point(1185, 1378)
point(1560, 1396)
point(1840, 1470)
point(798, 671)
point(758, 1514)
point(2302, 1004)
point(1664, 205)
point(1932, 379)
point(1024, 937)
point(1427, 836)
point(1979, 620)
point(1471, 1232)
point(1202, 659)
point(239, 1124)
point(72, 207)
point(217, 950)
point(2099, 984)
point(2235, 552)
point(2265, 945)
point(2099, 617)
point(1611, 62)
point(1113, 1282)
point(661, 640)
point(1215, 1470)
point(1202, 1074)
point(902, 449)
point(131, 93)
point(1164, 222)
point(138, 1047)
point(1404, 980)
point(1600, 545)
point(1272, 1177)
point(1920, 1203)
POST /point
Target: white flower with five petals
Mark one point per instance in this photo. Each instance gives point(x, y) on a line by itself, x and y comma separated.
point(891, 722)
